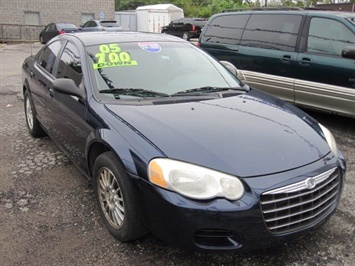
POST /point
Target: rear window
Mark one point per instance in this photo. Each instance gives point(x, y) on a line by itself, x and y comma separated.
point(109, 24)
point(275, 31)
point(66, 26)
point(226, 29)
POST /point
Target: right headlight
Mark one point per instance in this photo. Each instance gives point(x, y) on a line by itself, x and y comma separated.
point(330, 139)
point(193, 181)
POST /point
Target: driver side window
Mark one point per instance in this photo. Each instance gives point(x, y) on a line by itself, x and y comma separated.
point(328, 36)
point(70, 64)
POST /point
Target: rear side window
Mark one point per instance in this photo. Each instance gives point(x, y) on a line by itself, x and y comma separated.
point(226, 29)
point(90, 24)
point(328, 36)
point(48, 56)
point(278, 32)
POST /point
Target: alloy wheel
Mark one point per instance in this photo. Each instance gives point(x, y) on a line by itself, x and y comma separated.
point(110, 198)
point(29, 113)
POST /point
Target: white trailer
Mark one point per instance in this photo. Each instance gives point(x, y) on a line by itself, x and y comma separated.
point(153, 17)
point(127, 19)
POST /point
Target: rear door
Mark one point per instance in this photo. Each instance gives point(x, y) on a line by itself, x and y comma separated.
point(267, 52)
point(42, 77)
point(54, 31)
point(221, 37)
point(50, 32)
point(324, 78)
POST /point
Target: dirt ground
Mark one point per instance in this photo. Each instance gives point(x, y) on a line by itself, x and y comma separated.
point(49, 217)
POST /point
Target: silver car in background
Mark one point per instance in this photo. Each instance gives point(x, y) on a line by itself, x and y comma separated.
point(101, 25)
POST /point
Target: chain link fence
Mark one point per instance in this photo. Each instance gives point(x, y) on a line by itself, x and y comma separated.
point(19, 33)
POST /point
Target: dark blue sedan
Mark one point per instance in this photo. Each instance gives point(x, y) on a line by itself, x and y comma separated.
point(176, 145)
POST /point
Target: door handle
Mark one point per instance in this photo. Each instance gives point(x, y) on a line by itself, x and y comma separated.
point(286, 59)
point(51, 93)
point(31, 74)
point(305, 61)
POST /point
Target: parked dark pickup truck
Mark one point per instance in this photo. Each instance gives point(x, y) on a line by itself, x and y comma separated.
point(185, 28)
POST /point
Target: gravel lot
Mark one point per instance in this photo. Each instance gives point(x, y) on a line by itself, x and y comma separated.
point(49, 217)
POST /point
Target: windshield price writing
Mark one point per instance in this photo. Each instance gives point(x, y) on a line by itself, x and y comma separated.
point(111, 56)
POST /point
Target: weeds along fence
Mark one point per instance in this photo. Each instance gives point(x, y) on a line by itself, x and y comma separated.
point(19, 33)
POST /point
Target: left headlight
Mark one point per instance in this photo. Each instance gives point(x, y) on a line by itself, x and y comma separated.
point(193, 181)
point(330, 139)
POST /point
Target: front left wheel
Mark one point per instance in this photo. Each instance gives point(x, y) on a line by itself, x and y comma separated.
point(117, 199)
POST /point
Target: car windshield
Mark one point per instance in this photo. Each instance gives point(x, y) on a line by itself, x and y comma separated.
point(152, 69)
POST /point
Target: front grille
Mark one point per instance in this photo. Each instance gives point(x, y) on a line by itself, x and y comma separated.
point(299, 205)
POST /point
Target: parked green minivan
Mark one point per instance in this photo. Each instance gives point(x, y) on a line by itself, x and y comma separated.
point(305, 57)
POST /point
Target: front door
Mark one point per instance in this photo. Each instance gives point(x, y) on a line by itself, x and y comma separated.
point(70, 129)
point(324, 78)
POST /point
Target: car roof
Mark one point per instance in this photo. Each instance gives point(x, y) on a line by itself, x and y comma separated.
point(62, 23)
point(104, 20)
point(95, 38)
point(312, 12)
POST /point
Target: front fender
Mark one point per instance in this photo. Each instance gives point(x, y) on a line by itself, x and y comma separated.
point(133, 150)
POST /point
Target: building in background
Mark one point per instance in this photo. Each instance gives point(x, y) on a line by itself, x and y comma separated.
point(346, 7)
point(23, 19)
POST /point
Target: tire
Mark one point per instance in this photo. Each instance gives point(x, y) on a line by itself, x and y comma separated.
point(186, 36)
point(33, 125)
point(116, 198)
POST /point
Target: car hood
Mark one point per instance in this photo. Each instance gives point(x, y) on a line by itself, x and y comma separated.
point(243, 135)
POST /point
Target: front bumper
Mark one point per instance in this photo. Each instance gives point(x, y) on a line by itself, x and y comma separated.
point(223, 225)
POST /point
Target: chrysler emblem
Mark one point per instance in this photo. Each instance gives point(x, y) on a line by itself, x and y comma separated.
point(310, 183)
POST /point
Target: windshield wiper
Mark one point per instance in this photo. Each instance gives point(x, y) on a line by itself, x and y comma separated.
point(206, 89)
point(134, 92)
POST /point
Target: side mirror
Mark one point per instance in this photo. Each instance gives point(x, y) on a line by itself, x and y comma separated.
point(233, 69)
point(68, 87)
point(348, 52)
point(230, 67)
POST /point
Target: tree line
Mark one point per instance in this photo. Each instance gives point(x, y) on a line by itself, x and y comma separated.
point(206, 8)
